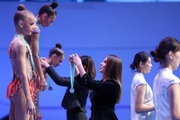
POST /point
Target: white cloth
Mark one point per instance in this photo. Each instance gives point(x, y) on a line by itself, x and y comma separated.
point(139, 79)
point(162, 81)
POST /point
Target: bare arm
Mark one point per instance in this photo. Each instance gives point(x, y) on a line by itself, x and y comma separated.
point(34, 47)
point(139, 100)
point(174, 97)
point(72, 64)
point(21, 62)
point(80, 69)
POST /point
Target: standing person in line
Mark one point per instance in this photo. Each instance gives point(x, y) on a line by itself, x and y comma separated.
point(20, 91)
point(166, 86)
point(46, 15)
point(74, 103)
point(142, 106)
point(107, 92)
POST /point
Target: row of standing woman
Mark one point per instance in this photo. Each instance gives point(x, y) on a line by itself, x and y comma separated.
point(162, 101)
point(29, 76)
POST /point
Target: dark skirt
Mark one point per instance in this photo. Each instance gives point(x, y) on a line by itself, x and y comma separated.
point(104, 115)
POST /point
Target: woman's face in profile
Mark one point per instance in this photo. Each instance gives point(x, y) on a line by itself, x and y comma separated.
point(103, 65)
point(175, 60)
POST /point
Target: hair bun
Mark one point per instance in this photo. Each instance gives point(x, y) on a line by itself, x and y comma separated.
point(54, 5)
point(132, 66)
point(21, 7)
point(154, 54)
point(58, 45)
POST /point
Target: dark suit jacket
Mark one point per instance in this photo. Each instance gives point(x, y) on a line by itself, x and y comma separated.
point(70, 100)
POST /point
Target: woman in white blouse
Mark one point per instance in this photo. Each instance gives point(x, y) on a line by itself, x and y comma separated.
point(142, 106)
point(166, 87)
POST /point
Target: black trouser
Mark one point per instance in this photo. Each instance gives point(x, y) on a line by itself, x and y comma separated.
point(76, 114)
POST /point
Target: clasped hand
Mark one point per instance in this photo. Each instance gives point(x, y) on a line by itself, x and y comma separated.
point(74, 58)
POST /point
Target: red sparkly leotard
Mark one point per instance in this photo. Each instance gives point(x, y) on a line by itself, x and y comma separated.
point(15, 84)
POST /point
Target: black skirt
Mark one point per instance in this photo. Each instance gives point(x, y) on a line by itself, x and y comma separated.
point(103, 115)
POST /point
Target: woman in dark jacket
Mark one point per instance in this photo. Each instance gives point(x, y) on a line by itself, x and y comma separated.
point(75, 102)
point(107, 92)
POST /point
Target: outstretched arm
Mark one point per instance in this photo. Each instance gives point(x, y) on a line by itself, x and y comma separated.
point(62, 81)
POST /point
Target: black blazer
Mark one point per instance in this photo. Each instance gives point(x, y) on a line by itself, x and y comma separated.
point(103, 97)
point(70, 100)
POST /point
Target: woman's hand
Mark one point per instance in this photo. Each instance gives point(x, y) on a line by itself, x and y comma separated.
point(36, 29)
point(78, 62)
point(30, 108)
point(76, 59)
point(71, 60)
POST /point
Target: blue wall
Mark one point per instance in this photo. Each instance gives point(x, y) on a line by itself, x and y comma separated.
point(95, 29)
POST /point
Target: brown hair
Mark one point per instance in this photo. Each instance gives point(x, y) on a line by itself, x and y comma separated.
point(90, 67)
point(113, 70)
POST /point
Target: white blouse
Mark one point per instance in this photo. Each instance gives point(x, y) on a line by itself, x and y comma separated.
point(139, 79)
point(162, 81)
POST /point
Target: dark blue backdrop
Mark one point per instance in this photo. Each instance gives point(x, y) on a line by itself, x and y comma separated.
point(95, 29)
